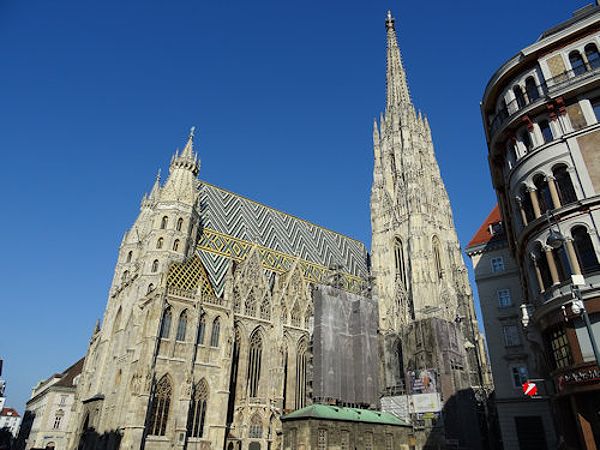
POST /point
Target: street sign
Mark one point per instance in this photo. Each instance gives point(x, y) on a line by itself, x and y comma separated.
point(530, 389)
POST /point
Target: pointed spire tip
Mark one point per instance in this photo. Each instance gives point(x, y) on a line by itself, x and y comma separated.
point(389, 21)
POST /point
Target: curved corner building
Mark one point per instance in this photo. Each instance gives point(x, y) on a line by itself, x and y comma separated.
point(541, 113)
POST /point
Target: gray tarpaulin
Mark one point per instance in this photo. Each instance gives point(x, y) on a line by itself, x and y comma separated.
point(345, 348)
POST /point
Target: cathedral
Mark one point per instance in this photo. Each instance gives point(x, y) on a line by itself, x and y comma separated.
point(225, 314)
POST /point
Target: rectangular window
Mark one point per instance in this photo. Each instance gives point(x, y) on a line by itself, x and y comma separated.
point(322, 439)
point(498, 264)
point(546, 130)
point(561, 351)
point(511, 335)
point(520, 375)
point(504, 298)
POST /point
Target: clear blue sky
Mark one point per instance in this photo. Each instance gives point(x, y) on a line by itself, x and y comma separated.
point(96, 96)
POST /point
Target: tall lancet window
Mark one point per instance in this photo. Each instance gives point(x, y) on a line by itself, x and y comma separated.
point(165, 326)
point(399, 258)
point(437, 260)
point(254, 364)
point(159, 410)
point(301, 375)
point(197, 413)
point(182, 326)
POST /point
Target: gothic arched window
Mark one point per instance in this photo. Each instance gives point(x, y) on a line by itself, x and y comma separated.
point(566, 191)
point(159, 410)
point(197, 412)
point(179, 224)
point(117, 321)
point(181, 326)
point(399, 258)
point(586, 254)
point(301, 375)
point(295, 316)
point(250, 304)
point(165, 326)
point(265, 309)
point(254, 364)
point(155, 265)
point(150, 288)
point(256, 427)
point(164, 222)
point(159, 243)
point(532, 90)
point(216, 330)
point(129, 256)
point(125, 276)
point(437, 258)
point(593, 57)
point(201, 329)
point(176, 245)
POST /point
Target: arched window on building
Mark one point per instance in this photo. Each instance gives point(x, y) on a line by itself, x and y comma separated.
point(592, 55)
point(176, 245)
point(296, 316)
point(201, 329)
point(526, 203)
point(159, 410)
point(255, 431)
point(577, 63)
point(566, 191)
point(584, 248)
point(179, 224)
point(531, 88)
point(542, 263)
point(254, 364)
point(159, 243)
point(155, 265)
point(117, 321)
point(250, 307)
point(125, 276)
point(164, 222)
point(129, 256)
point(399, 363)
point(546, 131)
point(301, 374)
point(399, 259)
point(284, 363)
point(150, 288)
point(181, 326)
point(197, 411)
point(519, 97)
point(165, 325)
point(265, 309)
point(233, 376)
point(543, 192)
point(215, 332)
point(437, 258)
point(526, 140)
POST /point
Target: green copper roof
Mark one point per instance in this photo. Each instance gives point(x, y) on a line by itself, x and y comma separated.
point(326, 412)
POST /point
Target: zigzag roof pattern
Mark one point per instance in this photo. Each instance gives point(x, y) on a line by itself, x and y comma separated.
point(242, 218)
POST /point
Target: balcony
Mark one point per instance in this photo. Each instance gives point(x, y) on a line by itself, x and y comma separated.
point(539, 95)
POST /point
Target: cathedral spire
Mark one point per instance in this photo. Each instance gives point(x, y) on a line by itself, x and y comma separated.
point(397, 87)
point(156, 188)
point(188, 159)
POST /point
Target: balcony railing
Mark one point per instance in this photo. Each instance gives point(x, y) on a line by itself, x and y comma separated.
point(551, 85)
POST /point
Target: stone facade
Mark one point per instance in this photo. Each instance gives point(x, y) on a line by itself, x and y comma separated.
point(207, 335)
point(48, 411)
point(421, 279)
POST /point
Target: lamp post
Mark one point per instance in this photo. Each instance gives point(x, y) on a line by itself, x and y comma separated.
point(556, 240)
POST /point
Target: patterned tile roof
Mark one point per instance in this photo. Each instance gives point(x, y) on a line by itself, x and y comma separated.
point(246, 220)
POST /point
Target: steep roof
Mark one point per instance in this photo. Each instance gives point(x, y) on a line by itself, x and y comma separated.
point(483, 234)
point(70, 373)
point(9, 412)
point(326, 412)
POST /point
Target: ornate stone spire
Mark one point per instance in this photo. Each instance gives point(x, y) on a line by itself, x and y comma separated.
point(182, 184)
point(397, 87)
point(188, 159)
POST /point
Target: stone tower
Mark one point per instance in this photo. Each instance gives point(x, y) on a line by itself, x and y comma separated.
point(426, 312)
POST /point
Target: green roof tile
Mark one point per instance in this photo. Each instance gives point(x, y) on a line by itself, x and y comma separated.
point(327, 412)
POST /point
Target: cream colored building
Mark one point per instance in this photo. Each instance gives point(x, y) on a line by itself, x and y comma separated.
point(48, 411)
point(512, 355)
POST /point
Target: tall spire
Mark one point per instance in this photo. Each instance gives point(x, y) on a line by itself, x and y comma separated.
point(188, 159)
point(397, 87)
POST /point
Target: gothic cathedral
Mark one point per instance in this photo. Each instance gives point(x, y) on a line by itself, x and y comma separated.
point(224, 314)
